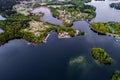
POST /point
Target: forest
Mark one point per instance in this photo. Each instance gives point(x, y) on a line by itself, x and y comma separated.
point(116, 75)
point(13, 25)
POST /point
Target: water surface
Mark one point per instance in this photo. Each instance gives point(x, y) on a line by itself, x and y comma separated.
point(104, 12)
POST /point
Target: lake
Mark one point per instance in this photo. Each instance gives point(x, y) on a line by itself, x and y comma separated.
point(50, 61)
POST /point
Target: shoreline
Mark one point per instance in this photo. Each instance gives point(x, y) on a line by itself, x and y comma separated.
point(107, 34)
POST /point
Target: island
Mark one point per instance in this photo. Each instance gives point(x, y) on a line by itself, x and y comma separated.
point(115, 5)
point(116, 75)
point(107, 28)
point(101, 56)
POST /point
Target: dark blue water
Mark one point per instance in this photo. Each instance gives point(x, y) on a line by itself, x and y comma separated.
point(50, 61)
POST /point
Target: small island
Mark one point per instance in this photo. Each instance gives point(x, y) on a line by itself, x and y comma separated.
point(116, 75)
point(115, 5)
point(101, 55)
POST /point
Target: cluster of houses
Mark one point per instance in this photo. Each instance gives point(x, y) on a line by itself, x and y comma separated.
point(36, 27)
point(64, 35)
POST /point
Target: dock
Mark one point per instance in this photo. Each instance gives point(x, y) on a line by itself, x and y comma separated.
point(45, 40)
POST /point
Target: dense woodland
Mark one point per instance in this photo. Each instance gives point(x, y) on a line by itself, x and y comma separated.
point(13, 25)
point(116, 75)
point(57, 2)
point(101, 55)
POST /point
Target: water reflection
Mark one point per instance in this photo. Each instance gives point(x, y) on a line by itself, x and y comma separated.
point(104, 12)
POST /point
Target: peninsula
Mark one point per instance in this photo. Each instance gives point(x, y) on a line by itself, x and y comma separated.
point(109, 28)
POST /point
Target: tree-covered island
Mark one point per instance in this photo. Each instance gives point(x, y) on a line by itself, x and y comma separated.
point(101, 55)
point(116, 75)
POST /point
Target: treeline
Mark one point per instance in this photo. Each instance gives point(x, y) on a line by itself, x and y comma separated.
point(13, 25)
point(57, 2)
point(110, 27)
point(115, 5)
point(101, 27)
point(55, 13)
point(74, 2)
